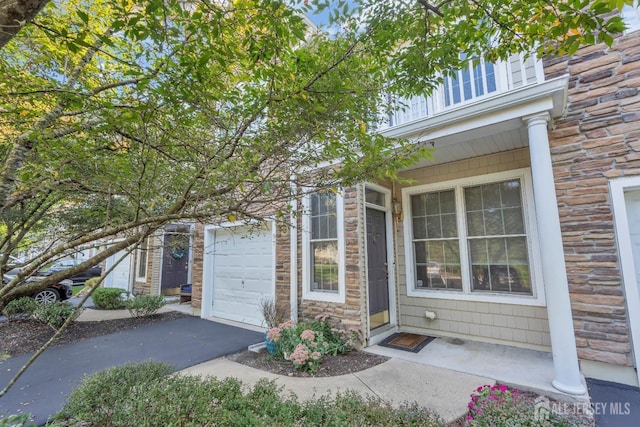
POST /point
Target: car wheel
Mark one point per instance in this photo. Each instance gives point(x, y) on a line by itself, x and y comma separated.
point(47, 296)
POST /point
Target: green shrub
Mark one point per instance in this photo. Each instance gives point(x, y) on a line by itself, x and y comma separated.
point(145, 305)
point(145, 396)
point(351, 409)
point(21, 307)
point(108, 298)
point(21, 420)
point(54, 314)
point(95, 401)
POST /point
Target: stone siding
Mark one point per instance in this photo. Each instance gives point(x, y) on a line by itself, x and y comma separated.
point(598, 139)
point(283, 270)
point(197, 249)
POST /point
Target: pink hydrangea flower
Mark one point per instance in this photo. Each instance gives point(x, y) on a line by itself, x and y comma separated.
point(300, 355)
point(287, 324)
point(273, 334)
point(308, 335)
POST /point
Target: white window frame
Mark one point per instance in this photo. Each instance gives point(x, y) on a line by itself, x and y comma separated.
point(631, 19)
point(537, 297)
point(307, 292)
point(144, 246)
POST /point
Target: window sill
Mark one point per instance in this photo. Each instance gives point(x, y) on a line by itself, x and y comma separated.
point(496, 298)
point(324, 297)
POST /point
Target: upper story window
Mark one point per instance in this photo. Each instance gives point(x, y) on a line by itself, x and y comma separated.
point(631, 16)
point(471, 239)
point(475, 80)
point(323, 255)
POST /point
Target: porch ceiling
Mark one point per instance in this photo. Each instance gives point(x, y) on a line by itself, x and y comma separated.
point(506, 136)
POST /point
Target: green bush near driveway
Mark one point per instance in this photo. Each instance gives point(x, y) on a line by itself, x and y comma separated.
point(146, 395)
point(54, 314)
point(21, 307)
point(97, 399)
point(108, 298)
point(144, 305)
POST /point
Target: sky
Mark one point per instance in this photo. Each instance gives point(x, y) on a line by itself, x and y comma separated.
point(322, 19)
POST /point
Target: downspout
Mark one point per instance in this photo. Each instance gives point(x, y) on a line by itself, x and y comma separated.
point(293, 252)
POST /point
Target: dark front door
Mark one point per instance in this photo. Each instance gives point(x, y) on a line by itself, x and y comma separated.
point(175, 259)
point(377, 268)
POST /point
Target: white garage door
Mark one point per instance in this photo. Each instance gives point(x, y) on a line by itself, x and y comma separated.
point(119, 276)
point(243, 273)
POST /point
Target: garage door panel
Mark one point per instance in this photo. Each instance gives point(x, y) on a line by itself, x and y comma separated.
point(258, 286)
point(242, 274)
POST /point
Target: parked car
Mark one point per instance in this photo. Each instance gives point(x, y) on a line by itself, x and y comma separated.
point(57, 292)
point(65, 264)
point(60, 291)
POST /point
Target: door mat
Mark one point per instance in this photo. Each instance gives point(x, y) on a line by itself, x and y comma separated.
point(407, 342)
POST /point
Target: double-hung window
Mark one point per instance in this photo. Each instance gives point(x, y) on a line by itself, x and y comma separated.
point(141, 267)
point(323, 254)
point(471, 239)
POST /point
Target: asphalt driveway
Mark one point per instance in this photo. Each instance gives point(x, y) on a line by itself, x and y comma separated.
point(43, 388)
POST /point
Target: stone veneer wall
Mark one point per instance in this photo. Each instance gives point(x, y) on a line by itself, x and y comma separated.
point(197, 262)
point(598, 139)
point(351, 312)
point(283, 270)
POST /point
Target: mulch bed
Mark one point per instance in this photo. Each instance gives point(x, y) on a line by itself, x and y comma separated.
point(330, 366)
point(25, 336)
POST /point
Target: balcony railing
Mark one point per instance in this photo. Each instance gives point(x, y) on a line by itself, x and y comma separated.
point(479, 80)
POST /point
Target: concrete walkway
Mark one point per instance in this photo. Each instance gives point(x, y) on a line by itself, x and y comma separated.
point(395, 381)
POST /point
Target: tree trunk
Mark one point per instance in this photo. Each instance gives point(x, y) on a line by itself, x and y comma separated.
point(15, 14)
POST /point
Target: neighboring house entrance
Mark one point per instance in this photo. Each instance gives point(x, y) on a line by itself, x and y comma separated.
point(175, 259)
point(120, 276)
point(239, 273)
point(377, 268)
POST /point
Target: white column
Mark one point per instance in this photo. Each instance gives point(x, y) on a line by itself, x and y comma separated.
point(563, 344)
